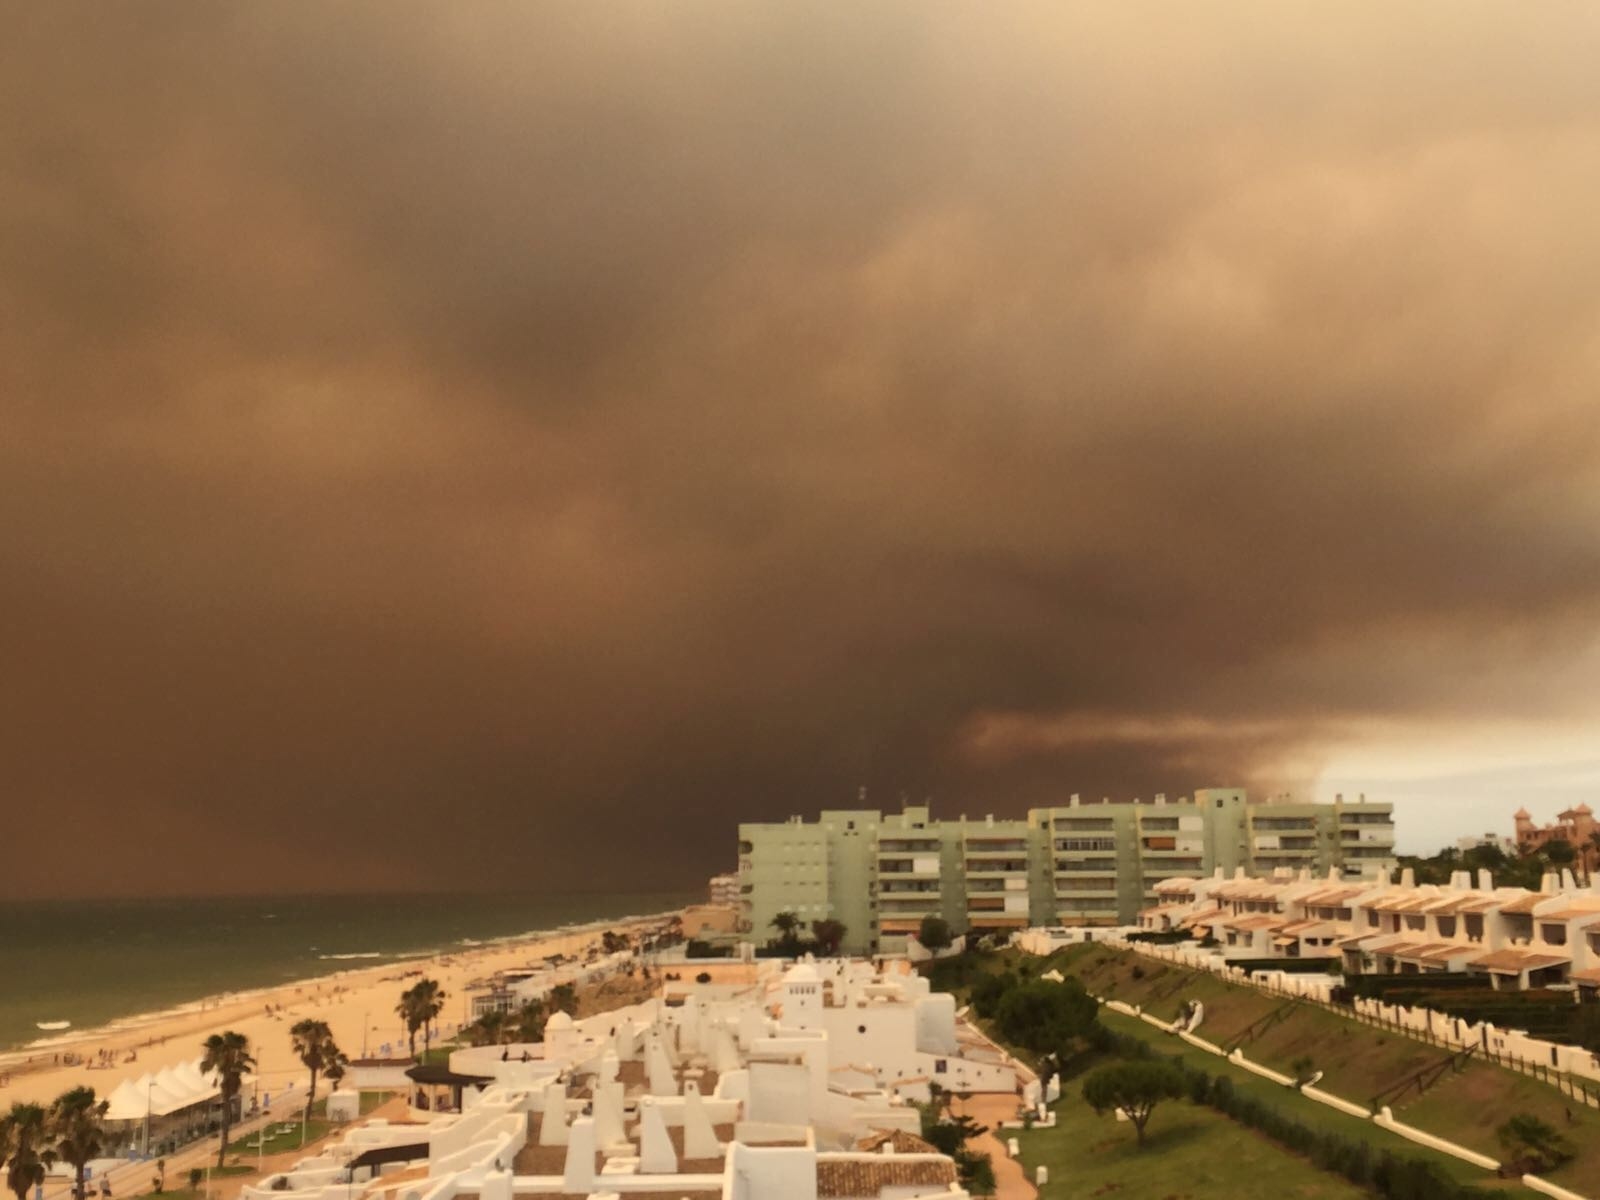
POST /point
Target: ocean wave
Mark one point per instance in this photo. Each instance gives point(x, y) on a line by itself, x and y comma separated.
point(358, 954)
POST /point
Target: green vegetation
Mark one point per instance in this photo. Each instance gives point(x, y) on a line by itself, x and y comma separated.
point(419, 1006)
point(1315, 1138)
point(228, 1056)
point(25, 1143)
point(826, 937)
point(1043, 1018)
point(1133, 1088)
point(1533, 1146)
point(1191, 1152)
point(1431, 1087)
point(949, 1134)
point(278, 1137)
point(1520, 870)
point(314, 1046)
point(75, 1122)
point(934, 934)
point(498, 1026)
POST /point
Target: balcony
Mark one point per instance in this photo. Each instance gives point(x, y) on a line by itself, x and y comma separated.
point(978, 844)
point(1101, 846)
point(904, 846)
point(909, 888)
point(998, 867)
point(1372, 835)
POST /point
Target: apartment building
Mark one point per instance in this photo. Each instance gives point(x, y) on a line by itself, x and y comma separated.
point(722, 891)
point(1079, 864)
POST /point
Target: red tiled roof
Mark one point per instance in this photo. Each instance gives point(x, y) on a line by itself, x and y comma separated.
point(1514, 962)
point(1526, 904)
point(856, 1177)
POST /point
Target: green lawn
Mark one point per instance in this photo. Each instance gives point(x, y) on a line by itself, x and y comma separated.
point(280, 1136)
point(185, 1193)
point(1191, 1152)
point(1358, 1061)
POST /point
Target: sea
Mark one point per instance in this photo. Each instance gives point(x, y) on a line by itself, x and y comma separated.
point(90, 962)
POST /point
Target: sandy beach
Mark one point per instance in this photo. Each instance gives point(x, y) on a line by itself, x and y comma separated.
point(358, 1005)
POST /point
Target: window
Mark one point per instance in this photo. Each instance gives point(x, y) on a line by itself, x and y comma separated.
point(939, 1066)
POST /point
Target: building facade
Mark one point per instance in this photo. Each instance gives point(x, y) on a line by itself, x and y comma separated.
point(1514, 937)
point(1576, 827)
point(722, 891)
point(1079, 864)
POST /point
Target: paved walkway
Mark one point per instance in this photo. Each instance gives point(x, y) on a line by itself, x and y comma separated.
point(132, 1178)
point(990, 1108)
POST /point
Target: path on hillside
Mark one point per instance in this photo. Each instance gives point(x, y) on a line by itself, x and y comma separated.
point(989, 1109)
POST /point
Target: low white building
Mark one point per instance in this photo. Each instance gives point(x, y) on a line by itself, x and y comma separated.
point(1517, 938)
point(793, 1083)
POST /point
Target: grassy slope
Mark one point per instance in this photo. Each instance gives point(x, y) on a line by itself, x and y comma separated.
point(1465, 1106)
point(1191, 1152)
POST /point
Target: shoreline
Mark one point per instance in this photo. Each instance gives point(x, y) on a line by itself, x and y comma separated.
point(353, 992)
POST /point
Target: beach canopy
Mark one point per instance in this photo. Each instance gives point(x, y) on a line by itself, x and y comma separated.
point(167, 1091)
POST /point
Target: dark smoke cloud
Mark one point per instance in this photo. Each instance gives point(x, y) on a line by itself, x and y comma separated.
point(480, 446)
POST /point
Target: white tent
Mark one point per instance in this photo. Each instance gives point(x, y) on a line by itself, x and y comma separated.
point(159, 1095)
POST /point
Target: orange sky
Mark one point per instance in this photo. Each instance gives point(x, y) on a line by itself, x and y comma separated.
point(506, 445)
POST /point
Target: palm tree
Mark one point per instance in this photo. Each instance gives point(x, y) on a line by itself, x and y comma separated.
point(829, 934)
point(530, 1021)
point(492, 1027)
point(75, 1124)
point(335, 1067)
point(227, 1056)
point(430, 1003)
point(30, 1159)
point(313, 1043)
point(409, 1012)
point(788, 926)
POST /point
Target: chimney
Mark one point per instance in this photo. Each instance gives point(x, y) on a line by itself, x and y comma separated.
point(1161, 798)
point(1075, 801)
point(1485, 880)
point(1408, 878)
point(988, 823)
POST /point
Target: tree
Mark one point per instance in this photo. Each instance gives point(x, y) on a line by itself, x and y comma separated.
point(1046, 1017)
point(788, 926)
point(410, 1011)
point(786, 923)
point(75, 1124)
point(337, 1066)
point(430, 1003)
point(934, 934)
point(489, 1029)
point(563, 998)
point(314, 1046)
point(227, 1056)
point(1560, 852)
point(613, 942)
point(829, 935)
point(949, 1133)
point(30, 1157)
point(1531, 1145)
point(530, 1021)
point(1135, 1088)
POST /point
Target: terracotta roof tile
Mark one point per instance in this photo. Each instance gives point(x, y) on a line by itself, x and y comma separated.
point(857, 1177)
